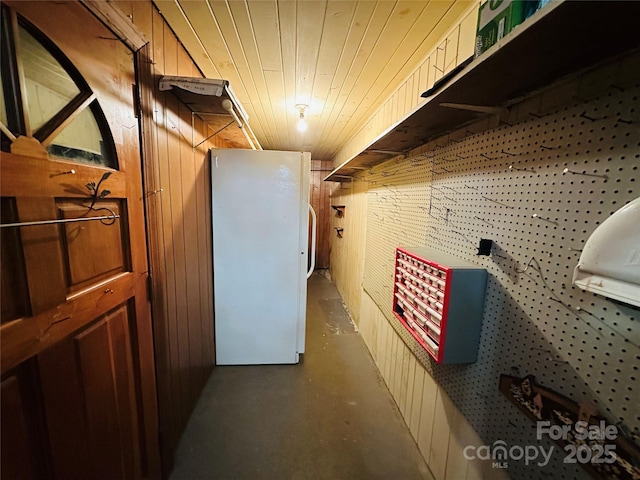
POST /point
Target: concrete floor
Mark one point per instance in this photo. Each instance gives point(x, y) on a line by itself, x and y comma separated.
point(329, 417)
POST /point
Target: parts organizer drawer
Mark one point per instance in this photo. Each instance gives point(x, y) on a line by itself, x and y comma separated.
point(440, 300)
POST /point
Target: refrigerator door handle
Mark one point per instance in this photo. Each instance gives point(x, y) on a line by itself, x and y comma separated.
point(313, 240)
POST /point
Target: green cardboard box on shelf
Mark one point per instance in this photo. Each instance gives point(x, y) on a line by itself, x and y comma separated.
point(497, 18)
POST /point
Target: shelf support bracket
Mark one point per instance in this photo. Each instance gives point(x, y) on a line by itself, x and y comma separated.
point(477, 108)
point(339, 210)
point(386, 152)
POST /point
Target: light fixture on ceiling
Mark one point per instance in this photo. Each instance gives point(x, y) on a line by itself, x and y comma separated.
point(302, 123)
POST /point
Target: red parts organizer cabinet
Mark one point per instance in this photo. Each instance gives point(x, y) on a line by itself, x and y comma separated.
point(440, 300)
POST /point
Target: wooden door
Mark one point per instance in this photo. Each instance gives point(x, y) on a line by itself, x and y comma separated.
point(78, 389)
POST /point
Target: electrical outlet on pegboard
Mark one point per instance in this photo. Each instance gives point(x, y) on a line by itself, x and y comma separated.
point(538, 189)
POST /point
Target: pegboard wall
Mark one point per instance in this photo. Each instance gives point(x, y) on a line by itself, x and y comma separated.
point(538, 188)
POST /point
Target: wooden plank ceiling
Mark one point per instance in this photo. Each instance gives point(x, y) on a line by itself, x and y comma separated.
point(342, 58)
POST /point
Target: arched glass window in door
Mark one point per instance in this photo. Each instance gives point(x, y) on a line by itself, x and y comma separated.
point(44, 98)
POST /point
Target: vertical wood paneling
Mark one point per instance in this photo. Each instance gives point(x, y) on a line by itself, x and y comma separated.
point(411, 372)
point(387, 356)
point(427, 413)
point(168, 281)
point(404, 372)
point(437, 426)
point(396, 352)
point(348, 251)
point(416, 404)
point(461, 435)
point(319, 192)
point(203, 203)
point(179, 229)
point(166, 339)
point(175, 225)
point(327, 211)
point(466, 41)
point(382, 337)
point(314, 199)
point(443, 417)
point(189, 222)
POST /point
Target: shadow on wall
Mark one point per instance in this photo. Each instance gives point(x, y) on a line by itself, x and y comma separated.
point(524, 351)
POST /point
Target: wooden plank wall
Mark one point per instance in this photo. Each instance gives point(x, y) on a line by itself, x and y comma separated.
point(437, 426)
point(178, 202)
point(319, 199)
point(347, 252)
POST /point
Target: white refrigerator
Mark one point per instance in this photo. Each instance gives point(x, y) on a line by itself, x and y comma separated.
point(260, 219)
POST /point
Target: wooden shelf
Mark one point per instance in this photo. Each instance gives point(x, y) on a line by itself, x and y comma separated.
point(560, 39)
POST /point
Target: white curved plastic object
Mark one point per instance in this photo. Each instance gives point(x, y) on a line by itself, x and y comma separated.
point(313, 240)
point(610, 261)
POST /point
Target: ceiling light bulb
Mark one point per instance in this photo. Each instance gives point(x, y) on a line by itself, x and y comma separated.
point(302, 124)
point(227, 105)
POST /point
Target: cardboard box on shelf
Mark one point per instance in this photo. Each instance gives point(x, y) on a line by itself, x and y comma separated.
point(496, 18)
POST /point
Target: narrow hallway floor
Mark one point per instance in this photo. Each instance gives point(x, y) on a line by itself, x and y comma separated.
point(329, 417)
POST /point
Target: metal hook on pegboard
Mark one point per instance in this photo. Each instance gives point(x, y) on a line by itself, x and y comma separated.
point(538, 217)
point(531, 261)
point(495, 201)
point(434, 237)
point(549, 358)
point(483, 220)
point(626, 122)
point(511, 167)
point(592, 119)
point(566, 170)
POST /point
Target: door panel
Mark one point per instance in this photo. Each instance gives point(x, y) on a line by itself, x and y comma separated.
point(83, 240)
point(81, 318)
point(21, 432)
point(90, 401)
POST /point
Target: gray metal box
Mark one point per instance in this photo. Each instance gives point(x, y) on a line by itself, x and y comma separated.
point(439, 299)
